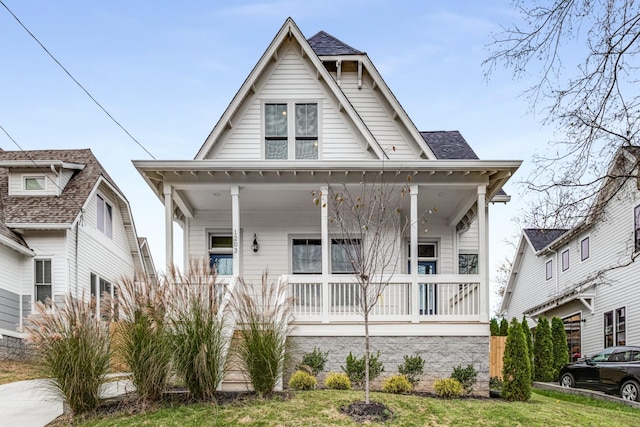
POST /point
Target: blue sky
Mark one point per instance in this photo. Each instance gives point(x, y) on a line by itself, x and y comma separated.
point(167, 70)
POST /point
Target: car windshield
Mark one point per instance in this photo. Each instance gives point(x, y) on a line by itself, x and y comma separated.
point(603, 356)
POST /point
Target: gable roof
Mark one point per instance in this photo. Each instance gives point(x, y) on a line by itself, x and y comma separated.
point(324, 44)
point(63, 209)
point(449, 145)
point(540, 238)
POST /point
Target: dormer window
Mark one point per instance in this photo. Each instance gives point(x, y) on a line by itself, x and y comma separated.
point(278, 125)
point(104, 216)
point(35, 183)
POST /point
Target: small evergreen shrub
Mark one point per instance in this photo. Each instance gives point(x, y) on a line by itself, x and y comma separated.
point(314, 361)
point(448, 388)
point(412, 368)
point(302, 380)
point(516, 370)
point(560, 349)
point(494, 327)
point(337, 381)
point(529, 340)
point(355, 368)
point(495, 383)
point(397, 384)
point(466, 376)
point(543, 352)
point(504, 327)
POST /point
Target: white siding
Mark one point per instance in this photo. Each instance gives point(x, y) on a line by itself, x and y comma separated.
point(291, 78)
point(16, 182)
point(10, 269)
point(47, 245)
point(468, 240)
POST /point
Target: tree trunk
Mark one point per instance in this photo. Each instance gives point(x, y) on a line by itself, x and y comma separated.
point(366, 356)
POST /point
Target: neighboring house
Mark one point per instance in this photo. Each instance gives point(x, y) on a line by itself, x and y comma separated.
point(65, 226)
point(315, 114)
point(585, 275)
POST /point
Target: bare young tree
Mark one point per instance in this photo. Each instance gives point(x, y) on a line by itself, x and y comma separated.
point(369, 222)
point(585, 56)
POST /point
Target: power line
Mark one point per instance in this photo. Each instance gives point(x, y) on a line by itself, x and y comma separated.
point(76, 81)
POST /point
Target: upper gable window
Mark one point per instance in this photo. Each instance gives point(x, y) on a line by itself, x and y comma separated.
point(584, 249)
point(104, 216)
point(35, 183)
point(280, 129)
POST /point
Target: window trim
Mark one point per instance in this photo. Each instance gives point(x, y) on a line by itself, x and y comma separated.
point(568, 264)
point(549, 269)
point(291, 130)
point(582, 251)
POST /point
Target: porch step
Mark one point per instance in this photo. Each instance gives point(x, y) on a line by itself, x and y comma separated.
point(234, 378)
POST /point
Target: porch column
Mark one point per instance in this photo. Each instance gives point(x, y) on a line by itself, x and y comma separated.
point(235, 229)
point(326, 253)
point(168, 226)
point(415, 316)
point(483, 254)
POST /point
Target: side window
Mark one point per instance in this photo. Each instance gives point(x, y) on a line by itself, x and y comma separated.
point(35, 183)
point(584, 249)
point(636, 227)
point(549, 269)
point(565, 260)
point(104, 216)
point(468, 264)
point(42, 280)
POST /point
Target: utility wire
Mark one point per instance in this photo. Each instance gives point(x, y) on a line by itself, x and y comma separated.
point(76, 81)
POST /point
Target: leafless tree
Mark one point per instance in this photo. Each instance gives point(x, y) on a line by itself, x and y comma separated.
point(584, 56)
point(369, 222)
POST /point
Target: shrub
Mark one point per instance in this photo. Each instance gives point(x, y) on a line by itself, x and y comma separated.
point(355, 368)
point(543, 352)
point(560, 349)
point(465, 376)
point(494, 327)
point(397, 384)
point(143, 340)
point(412, 368)
point(199, 341)
point(265, 326)
point(495, 383)
point(302, 380)
point(337, 381)
point(448, 388)
point(516, 370)
point(504, 327)
point(529, 341)
point(72, 345)
point(314, 361)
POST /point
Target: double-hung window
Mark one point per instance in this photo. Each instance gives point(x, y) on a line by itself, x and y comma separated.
point(43, 279)
point(104, 216)
point(584, 249)
point(549, 268)
point(101, 288)
point(344, 255)
point(306, 256)
point(615, 330)
point(565, 260)
point(287, 137)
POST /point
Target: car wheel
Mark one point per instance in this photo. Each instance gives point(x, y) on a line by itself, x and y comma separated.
point(567, 380)
point(630, 390)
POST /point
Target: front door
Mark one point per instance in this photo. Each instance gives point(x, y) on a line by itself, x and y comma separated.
point(428, 291)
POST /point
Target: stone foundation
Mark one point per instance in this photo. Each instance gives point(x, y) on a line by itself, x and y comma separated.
point(14, 348)
point(440, 355)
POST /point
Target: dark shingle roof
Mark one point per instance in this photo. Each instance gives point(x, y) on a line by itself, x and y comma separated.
point(540, 238)
point(51, 209)
point(449, 145)
point(324, 44)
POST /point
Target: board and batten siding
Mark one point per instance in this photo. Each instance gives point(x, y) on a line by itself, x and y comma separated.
point(291, 79)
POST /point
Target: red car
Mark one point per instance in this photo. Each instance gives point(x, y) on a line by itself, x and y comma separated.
point(615, 370)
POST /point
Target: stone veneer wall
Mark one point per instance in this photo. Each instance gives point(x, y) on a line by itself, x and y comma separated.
point(440, 355)
point(14, 348)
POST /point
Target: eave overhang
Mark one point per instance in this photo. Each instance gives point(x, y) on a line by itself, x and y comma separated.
point(40, 164)
point(585, 296)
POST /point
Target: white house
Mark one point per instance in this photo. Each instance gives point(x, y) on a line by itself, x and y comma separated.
point(311, 115)
point(65, 226)
point(586, 275)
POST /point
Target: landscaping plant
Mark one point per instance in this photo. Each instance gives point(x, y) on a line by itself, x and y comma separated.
point(355, 368)
point(314, 361)
point(543, 352)
point(198, 334)
point(143, 340)
point(337, 381)
point(560, 349)
point(466, 376)
point(504, 327)
point(72, 345)
point(494, 328)
point(263, 322)
point(301, 380)
point(397, 384)
point(516, 370)
point(529, 341)
point(448, 388)
point(412, 368)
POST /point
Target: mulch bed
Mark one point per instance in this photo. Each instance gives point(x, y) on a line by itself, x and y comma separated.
point(362, 411)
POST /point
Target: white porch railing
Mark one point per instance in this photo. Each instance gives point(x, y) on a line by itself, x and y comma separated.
point(336, 298)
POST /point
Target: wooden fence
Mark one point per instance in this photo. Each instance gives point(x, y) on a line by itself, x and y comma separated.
point(496, 352)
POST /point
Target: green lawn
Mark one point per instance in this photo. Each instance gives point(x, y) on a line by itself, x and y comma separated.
point(321, 408)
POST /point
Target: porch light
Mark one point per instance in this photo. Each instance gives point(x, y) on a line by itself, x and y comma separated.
point(255, 246)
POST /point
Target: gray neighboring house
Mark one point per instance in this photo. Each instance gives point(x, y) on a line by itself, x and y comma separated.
point(313, 114)
point(65, 226)
point(586, 275)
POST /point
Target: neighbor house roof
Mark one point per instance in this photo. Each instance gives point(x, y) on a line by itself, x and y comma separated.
point(540, 238)
point(324, 44)
point(52, 209)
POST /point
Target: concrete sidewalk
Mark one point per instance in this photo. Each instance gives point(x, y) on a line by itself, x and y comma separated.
point(34, 403)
